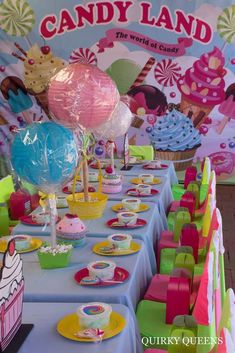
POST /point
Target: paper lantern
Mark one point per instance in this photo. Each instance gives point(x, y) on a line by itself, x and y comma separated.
point(82, 95)
point(118, 124)
point(45, 155)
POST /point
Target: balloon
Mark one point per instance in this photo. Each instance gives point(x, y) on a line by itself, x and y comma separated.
point(118, 124)
point(82, 95)
point(45, 155)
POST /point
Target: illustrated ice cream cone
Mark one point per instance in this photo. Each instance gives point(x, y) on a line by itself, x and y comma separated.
point(227, 108)
point(202, 86)
point(14, 91)
point(40, 65)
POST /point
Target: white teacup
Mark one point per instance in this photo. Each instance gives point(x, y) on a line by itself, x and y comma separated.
point(127, 218)
point(120, 241)
point(102, 269)
point(41, 217)
point(131, 204)
point(146, 178)
point(132, 159)
point(156, 163)
point(78, 187)
point(144, 189)
point(93, 176)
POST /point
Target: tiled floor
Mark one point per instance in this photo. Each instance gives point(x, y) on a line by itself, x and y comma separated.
point(226, 204)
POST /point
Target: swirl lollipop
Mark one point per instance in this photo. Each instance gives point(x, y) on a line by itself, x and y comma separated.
point(83, 56)
point(16, 17)
point(167, 73)
point(226, 24)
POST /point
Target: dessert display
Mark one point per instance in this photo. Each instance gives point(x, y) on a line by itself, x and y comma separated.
point(103, 270)
point(11, 295)
point(175, 138)
point(120, 241)
point(22, 242)
point(127, 218)
point(131, 204)
point(94, 315)
point(202, 86)
point(71, 230)
point(111, 182)
point(54, 257)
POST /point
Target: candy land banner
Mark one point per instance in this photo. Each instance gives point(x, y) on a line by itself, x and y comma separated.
point(166, 55)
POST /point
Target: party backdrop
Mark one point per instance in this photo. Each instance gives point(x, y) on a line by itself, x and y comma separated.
point(166, 55)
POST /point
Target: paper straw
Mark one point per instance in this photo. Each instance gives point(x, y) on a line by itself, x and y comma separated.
point(144, 72)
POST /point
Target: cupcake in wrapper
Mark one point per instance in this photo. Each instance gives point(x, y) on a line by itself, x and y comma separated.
point(57, 257)
point(71, 230)
point(202, 86)
point(175, 138)
point(11, 295)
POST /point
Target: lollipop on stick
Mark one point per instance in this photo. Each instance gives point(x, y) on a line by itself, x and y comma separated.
point(227, 108)
point(83, 56)
point(17, 18)
point(226, 24)
point(167, 73)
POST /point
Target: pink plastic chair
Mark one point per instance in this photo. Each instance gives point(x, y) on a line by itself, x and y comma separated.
point(190, 237)
point(190, 175)
point(188, 201)
point(177, 288)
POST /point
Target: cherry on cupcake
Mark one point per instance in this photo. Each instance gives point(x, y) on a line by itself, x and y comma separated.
point(31, 61)
point(45, 49)
point(109, 170)
point(203, 130)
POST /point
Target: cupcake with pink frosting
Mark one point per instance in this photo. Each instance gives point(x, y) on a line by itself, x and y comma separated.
point(202, 86)
point(71, 230)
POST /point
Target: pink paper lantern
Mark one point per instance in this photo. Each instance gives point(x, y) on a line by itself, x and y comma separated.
point(82, 95)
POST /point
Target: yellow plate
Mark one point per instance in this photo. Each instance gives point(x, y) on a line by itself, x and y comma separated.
point(69, 326)
point(35, 244)
point(139, 181)
point(119, 208)
point(133, 249)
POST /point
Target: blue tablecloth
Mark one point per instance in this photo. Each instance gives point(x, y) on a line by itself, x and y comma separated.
point(169, 173)
point(44, 337)
point(58, 285)
point(98, 228)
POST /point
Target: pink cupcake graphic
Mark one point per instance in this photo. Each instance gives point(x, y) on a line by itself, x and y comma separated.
point(11, 295)
point(202, 86)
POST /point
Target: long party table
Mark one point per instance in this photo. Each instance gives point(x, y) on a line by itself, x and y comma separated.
point(168, 173)
point(59, 285)
point(149, 234)
point(45, 338)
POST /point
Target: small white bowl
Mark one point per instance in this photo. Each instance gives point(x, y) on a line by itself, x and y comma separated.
point(132, 159)
point(146, 178)
point(144, 189)
point(127, 218)
point(131, 204)
point(94, 315)
point(102, 269)
point(22, 242)
point(120, 241)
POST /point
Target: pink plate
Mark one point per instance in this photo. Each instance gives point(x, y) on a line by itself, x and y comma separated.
point(149, 167)
point(140, 223)
point(134, 192)
point(120, 275)
point(29, 221)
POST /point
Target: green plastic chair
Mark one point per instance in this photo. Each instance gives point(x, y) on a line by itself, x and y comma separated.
point(6, 189)
point(142, 152)
point(151, 315)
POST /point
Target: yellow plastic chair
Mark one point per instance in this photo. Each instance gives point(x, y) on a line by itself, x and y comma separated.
point(142, 152)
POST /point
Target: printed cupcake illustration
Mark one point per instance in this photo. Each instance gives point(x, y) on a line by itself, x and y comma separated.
point(202, 86)
point(11, 295)
point(175, 138)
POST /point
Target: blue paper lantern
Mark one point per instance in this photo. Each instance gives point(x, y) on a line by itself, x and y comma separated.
point(45, 155)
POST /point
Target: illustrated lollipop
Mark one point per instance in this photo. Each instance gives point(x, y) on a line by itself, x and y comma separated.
point(83, 56)
point(226, 24)
point(167, 73)
point(227, 108)
point(16, 18)
point(144, 72)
